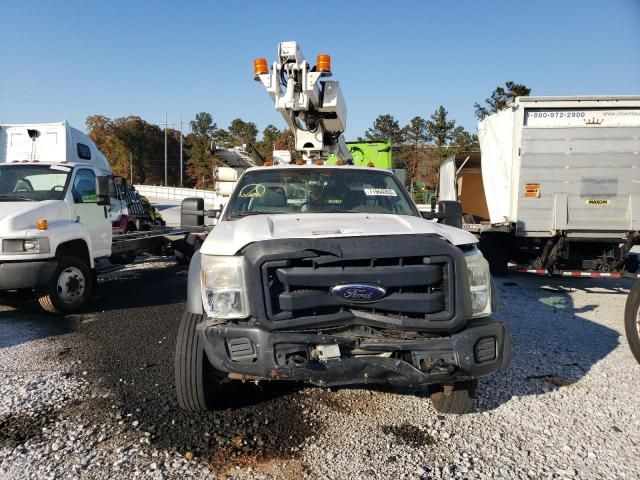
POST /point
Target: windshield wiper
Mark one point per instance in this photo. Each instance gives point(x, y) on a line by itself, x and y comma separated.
point(4, 197)
point(247, 214)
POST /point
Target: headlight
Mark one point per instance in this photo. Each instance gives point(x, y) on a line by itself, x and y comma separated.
point(27, 245)
point(224, 294)
point(480, 283)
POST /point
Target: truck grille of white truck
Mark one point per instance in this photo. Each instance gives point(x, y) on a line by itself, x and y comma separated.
point(416, 282)
point(415, 287)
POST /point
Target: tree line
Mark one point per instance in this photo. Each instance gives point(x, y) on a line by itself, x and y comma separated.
point(135, 147)
point(422, 144)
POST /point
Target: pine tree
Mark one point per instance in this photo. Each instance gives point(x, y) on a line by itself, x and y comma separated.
point(500, 97)
point(385, 129)
point(440, 128)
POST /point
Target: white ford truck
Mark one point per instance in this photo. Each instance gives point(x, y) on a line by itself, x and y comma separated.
point(330, 275)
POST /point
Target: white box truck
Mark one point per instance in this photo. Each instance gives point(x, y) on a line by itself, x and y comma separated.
point(560, 182)
point(58, 205)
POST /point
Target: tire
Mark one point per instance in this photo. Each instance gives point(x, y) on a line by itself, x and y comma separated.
point(124, 258)
point(197, 382)
point(495, 249)
point(194, 241)
point(70, 287)
point(631, 264)
point(179, 251)
point(457, 398)
point(181, 259)
point(184, 249)
point(632, 320)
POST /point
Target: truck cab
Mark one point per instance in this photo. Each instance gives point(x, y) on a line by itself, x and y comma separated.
point(54, 213)
point(330, 275)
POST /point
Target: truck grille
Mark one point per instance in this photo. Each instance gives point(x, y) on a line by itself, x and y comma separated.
point(423, 277)
point(416, 287)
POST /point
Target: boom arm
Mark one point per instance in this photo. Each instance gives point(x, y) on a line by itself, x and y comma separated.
point(313, 109)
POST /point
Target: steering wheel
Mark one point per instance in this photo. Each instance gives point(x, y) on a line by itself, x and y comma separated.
point(57, 188)
point(23, 185)
point(309, 207)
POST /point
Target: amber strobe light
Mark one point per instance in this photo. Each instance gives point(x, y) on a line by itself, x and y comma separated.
point(42, 224)
point(260, 67)
point(323, 62)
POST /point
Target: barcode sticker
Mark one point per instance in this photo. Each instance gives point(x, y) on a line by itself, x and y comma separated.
point(381, 192)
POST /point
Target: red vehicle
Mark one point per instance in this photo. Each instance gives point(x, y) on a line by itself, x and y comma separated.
point(130, 211)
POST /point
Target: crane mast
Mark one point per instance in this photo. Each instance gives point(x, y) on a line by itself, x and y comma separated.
point(313, 107)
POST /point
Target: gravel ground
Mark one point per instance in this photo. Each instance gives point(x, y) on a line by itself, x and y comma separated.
point(91, 396)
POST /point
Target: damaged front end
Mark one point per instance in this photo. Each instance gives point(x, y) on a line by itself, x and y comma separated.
point(357, 356)
point(359, 310)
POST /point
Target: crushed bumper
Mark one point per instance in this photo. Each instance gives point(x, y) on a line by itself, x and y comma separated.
point(25, 274)
point(250, 352)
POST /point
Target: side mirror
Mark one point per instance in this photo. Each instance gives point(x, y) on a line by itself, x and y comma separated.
point(428, 215)
point(192, 212)
point(102, 189)
point(214, 213)
point(450, 213)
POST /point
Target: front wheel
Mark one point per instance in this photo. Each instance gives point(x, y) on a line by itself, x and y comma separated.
point(197, 382)
point(70, 287)
point(457, 398)
point(495, 248)
point(632, 320)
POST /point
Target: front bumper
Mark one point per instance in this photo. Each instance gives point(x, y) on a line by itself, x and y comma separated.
point(25, 274)
point(250, 352)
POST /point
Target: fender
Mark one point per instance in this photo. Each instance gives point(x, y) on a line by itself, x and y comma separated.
point(65, 231)
point(194, 286)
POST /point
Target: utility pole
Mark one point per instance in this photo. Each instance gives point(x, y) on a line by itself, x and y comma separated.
point(130, 168)
point(165, 149)
point(180, 149)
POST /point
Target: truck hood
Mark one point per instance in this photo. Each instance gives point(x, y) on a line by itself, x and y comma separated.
point(228, 237)
point(16, 216)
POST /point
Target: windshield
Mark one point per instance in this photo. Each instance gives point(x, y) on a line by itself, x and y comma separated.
point(318, 190)
point(24, 183)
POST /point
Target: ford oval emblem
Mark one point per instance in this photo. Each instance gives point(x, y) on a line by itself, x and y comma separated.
point(358, 292)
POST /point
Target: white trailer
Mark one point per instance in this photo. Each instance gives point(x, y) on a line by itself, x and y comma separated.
point(58, 200)
point(561, 181)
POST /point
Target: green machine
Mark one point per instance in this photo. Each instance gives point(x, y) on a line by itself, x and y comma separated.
point(367, 154)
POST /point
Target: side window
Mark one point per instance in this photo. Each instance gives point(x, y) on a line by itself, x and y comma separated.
point(84, 186)
point(84, 151)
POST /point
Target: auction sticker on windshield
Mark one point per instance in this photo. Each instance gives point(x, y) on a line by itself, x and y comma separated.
point(380, 192)
point(253, 190)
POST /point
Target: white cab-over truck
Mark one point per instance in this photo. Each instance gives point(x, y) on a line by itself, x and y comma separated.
point(557, 189)
point(330, 275)
point(58, 200)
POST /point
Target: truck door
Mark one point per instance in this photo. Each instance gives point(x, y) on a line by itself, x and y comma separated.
point(93, 216)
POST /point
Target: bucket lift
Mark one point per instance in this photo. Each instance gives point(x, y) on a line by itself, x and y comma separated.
point(312, 107)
